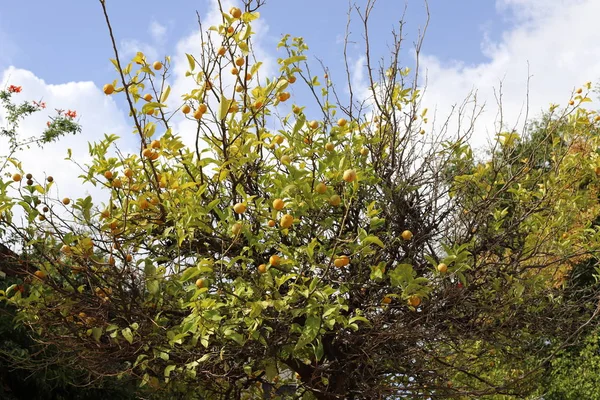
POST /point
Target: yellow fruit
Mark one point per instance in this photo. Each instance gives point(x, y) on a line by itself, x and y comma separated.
point(108, 89)
point(296, 110)
point(321, 188)
point(278, 139)
point(271, 223)
point(148, 97)
point(239, 61)
point(442, 268)
point(202, 108)
point(128, 172)
point(108, 174)
point(155, 144)
point(278, 204)
point(597, 118)
point(407, 235)
point(157, 65)
point(335, 200)
point(66, 249)
point(286, 160)
point(286, 221)
point(236, 228)
point(235, 12)
point(147, 153)
point(386, 300)
point(239, 88)
point(571, 102)
point(117, 183)
point(239, 208)
point(17, 177)
point(341, 261)
point(364, 151)
point(40, 274)
point(186, 109)
point(349, 175)
point(198, 114)
point(221, 51)
point(342, 122)
point(66, 201)
point(200, 283)
point(329, 146)
point(262, 268)
point(579, 90)
point(313, 124)
point(414, 301)
point(274, 260)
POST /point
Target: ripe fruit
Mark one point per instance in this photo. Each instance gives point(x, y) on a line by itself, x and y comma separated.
point(296, 110)
point(108, 175)
point(335, 200)
point(291, 79)
point(154, 156)
point(235, 12)
point(50, 179)
point(108, 89)
point(41, 218)
point(128, 172)
point(321, 188)
point(40, 274)
point(278, 204)
point(239, 208)
point(274, 260)
point(239, 88)
point(278, 139)
point(128, 258)
point(349, 175)
point(248, 76)
point(285, 159)
point(234, 71)
point(147, 153)
point(341, 261)
point(65, 249)
point(262, 268)
point(148, 97)
point(200, 283)
point(230, 30)
point(144, 204)
point(186, 109)
point(233, 108)
point(17, 177)
point(111, 260)
point(155, 144)
point(286, 221)
point(283, 96)
point(414, 301)
point(386, 300)
point(198, 114)
point(221, 51)
point(329, 146)
point(579, 90)
point(202, 108)
point(313, 124)
point(571, 102)
point(342, 122)
point(236, 228)
point(364, 151)
point(105, 214)
point(271, 223)
point(407, 235)
point(29, 182)
point(257, 104)
point(157, 65)
point(443, 268)
point(29, 176)
point(239, 61)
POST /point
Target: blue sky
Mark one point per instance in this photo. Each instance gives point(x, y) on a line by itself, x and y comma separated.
point(66, 40)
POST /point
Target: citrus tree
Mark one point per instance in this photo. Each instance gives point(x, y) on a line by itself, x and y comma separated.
point(334, 249)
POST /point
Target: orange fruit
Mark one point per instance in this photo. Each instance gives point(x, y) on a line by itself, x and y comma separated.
point(342, 122)
point(66, 201)
point(128, 172)
point(235, 12)
point(274, 260)
point(221, 51)
point(186, 109)
point(271, 223)
point(17, 177)
point(278, 139)
point(291, 79)
point(407, 235)
point(117, 183)
point(442, 268)
point(108, 174)
point(386, 300)
point(202, 108)
point(286, 221)
point(198, 114)
point(313, 124)
point(200, 283)
point(321, 188)
point(144, 204)
point(108, 89)
point(239, 208)
point(278, 204)
point(128, 258)
point(341, 261)
point(148, 97)
point(349, 175)
point(234, 71)
point(262, 268)
point(414, 301)
point(230, 30)
point(40, 274)
point(239, 61)
point(364, 151)
point(157, 65)
point(155, 144)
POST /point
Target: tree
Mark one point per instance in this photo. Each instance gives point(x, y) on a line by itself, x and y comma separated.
point(349, 255)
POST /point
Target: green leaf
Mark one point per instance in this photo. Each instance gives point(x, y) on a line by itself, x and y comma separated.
point(169, 369)
point(373, 240)
point(97, 333)
point(191, 61)
point(310, 331)
point(165, 95)
point(223, 108)
point(127, 335)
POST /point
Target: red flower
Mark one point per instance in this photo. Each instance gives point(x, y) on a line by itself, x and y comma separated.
point(14, 89)
point(71, 114)
point(48, 124)
point(40, 105)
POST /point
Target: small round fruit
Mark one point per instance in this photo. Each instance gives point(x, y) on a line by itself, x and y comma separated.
point(202, 108)
point(29, 176)
point(239, 208)
point(364, 151)
point(147, 153)
point(198, 114)
point(313, 124)
point(579, 91)
point(236, 228)
point(148, 97)
point(262, 268)
point(335, 200)
point(29, 182)
point(407, 235)
point(271, 223)
point(230, 29)
point(278, 204)
point(329, 146)
point(108, 175)
point(234, 71)
point(41, 217)
point(274, 260)
point(283, 96)
point(144, 204)
point(157, 65)
point(296, 110)
point(50, 179)
point(186, 109)
point(257, 105)
point(239, 61)
point(349, 175)
point(128, 172)
point(442, 268)
point(128, 258)
point(248, 76)
point(235, 12)
point(45, 209)
point(155, 144)
point(321, 188)
point(239, 88)
point(286, 221)
point(285, 159)
point(221, 52)
point(291, 79)
point(342, 122)
point(341, 261)
point(108, 89)
point(200, 283)
point(386, 300)
point(40, 274)
point(278, 139)
point(17, 177)
point(414, 301)
point(571, 102)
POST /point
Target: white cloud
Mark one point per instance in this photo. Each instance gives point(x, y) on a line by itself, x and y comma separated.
point(554, 41)
point(97, 113)
point(130, 47)
point(157, 31)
